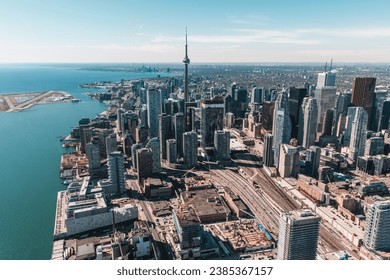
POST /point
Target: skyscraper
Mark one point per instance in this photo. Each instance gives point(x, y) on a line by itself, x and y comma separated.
point(116, 171)
point(190, 148)
point(257, 95)
point(341, 111)
point(326, 79)
point(385, 116)
point(222, 145)
point(93, 155)
point(134, 149)
point(374, 146)
point(312, 161)
point(165, 127)
point(154, 109)
point(212, 119)
point(144, 163)
point(363, 95)
point(268, 157)
point(308, 122)
point(376, 234)
point(111, 144)
point(298, 235)
point(358, 134)
point(171, 150)
point(288, 161)
point(295, 99)
point(326, 100)
point(154, 146)
point(178, 130)
point(267, 113)
point(281, 125)
point(379, 99)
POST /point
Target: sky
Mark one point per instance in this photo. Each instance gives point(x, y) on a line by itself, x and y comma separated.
point(147, 31)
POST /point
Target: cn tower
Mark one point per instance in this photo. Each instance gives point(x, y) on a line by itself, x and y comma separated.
point(186, 61)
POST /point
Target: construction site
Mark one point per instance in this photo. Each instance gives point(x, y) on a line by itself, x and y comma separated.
point(243, 236)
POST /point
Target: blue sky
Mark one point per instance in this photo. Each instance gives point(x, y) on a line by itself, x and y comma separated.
point(219, 30)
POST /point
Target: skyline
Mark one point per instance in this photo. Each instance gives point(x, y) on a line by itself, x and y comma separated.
point(218, 31)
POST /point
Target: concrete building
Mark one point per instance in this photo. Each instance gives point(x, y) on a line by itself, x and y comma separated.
point(308, 124)
point(281, 125)
point(268, 157)
point(189, 231)
point(134, 149)
point(144, 163)
point(257, 95)
point(178, 130)
point(154, 109)
point(288, 161)
point(298, 235)
point(363, 89)
point(222, 145)
point(190, 140)
point(116, 172)
point(326, 79)
point(340, 113)
point(111, 144)
point(374, 146)
point(295, 100)
point(212, 112)
point(326, 100)
point(171, 150)
point(267, 112)
point(93, 155)
point(312, 161)
point(358, 134)
point(154, 146)
point(377, 228)
point(165, 133)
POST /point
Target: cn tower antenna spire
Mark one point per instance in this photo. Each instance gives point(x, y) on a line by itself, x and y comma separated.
point(186, 61)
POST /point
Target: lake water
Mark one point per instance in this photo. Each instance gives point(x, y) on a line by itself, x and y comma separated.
point(30, 153)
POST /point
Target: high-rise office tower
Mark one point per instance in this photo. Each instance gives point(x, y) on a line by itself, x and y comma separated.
point(326, 79)
point(326, 100)
point(268, 157)
point(379, 99)
point(288, 161)
point(154, 146)
point(384, 116)
point(312, 161)
point(154, 109)
point(308, 123)
point(240, 102)
point(144, 163)
point(212, 119)
point(134, 149)
point(341, 110)
point(93, 155)
point(358, 134)
point(374, 146)
point(222, 145)
point(111, 144)
point(298, 235)
point(257, 95)
point(363, 95)
point(295, 99)
point(179, 129)
point(116, 171)
point(171, 150)
point(190, 148)
point(119, 113)
point(165, 127)
point(143, 115)
point(267, 113)
point(377, 228)
point(348, 125)
point(281, 125)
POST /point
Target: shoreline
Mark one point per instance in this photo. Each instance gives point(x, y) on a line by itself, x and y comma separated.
point(16, 102)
